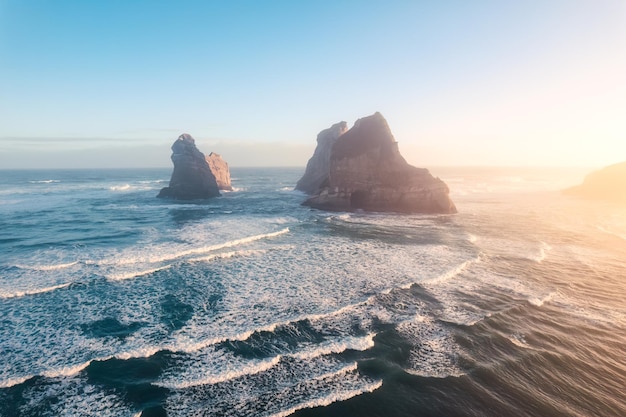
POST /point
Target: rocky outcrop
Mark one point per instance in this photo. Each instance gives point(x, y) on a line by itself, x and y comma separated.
point(192, 177)
point(368, 173)
point(219, 168)
point(607, 184)
point(318, 167)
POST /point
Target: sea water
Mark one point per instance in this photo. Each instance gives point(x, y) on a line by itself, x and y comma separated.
point(116, 303)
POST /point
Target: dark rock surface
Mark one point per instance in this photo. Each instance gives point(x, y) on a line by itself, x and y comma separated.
point(368, 173)
point(220, 171)
point(192, 177)
point(318, 167)
point(608, 184)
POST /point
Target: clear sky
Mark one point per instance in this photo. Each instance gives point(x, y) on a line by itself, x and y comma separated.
point(113, 83)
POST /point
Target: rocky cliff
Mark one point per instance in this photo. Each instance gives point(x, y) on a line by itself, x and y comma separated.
point(318, 167)
point(368, 173)
point(608, 184)
point(220, 170)
point(192, 177)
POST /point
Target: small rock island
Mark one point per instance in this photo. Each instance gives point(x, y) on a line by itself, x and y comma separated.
point(195, 176)
point(607, 184)
point(362, 169)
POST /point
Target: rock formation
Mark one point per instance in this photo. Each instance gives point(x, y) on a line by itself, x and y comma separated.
point(220, 171)
point(192, 177)
point(608, 184)
point(368, 173)
point(318, 167)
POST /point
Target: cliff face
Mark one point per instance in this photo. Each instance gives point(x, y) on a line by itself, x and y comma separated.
point(220, 170)
point(606, 184)
point(192, 177)
point(318, 167)
point(368, 173)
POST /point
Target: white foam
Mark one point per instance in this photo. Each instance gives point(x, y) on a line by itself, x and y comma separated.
point(543, 252)
point(453, 272)
point(134, 274)
point(188, 252)
point(519, 341)
point(433, 348)
point(253, 368)
point(331, 398)
point(124, 187)
point(226, 255)
point(336, 346)
point(51, 267)
point(538, 302)
point(22, 293)
point(44, 181)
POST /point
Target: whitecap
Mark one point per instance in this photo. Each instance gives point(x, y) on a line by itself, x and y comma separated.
point(188, 252)
point(452, 272)
point(539, 301)
point(134, 274)
point(22, 293)
point(50, 267)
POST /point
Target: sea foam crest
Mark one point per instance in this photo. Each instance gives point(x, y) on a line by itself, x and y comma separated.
point(453, 272)
point(50, 267)
point(128, 275)
point(188, 252)
point(22, 293)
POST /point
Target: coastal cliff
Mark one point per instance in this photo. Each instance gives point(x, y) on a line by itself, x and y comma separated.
point(367, 172)
point(192, 177)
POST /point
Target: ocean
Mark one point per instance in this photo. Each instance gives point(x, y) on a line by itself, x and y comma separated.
point(116, 303)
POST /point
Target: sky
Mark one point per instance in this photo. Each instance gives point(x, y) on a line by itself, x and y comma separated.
point(465, 83)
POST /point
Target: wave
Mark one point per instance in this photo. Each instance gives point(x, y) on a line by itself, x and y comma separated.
point(23, 293)
point(609, 232)
point(453, 272)
point(124, 187)
point(331, 398)
point(188, 252)
point(254, 368)
point(128, 275)
point(543, 252)
point(538, 302)
point(226, 255)
point(44, 181)
point(51, 267)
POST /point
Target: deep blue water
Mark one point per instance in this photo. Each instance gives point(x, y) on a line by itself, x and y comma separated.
point(116, 303)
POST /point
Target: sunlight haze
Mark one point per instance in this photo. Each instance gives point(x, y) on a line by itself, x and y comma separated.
point(112, 84)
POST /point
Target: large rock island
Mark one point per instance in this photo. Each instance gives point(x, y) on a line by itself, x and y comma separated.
point(606, 184)
point(318, 167)
point(192, 177)
point(367, 172)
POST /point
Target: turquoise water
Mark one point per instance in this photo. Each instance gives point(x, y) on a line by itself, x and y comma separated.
point(116, 303)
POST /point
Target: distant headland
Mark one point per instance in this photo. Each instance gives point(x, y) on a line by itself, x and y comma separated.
point(608, 183)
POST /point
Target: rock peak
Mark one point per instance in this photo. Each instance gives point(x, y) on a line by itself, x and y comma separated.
point(192, 177)
point(367, 172)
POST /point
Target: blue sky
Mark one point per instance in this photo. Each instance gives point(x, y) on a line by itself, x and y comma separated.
point(113, 83)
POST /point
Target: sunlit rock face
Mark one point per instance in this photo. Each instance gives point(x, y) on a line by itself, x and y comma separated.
point(192, 177)
point(318, 167)
point(606, 184)
point(368, 173)
point(220, 170)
